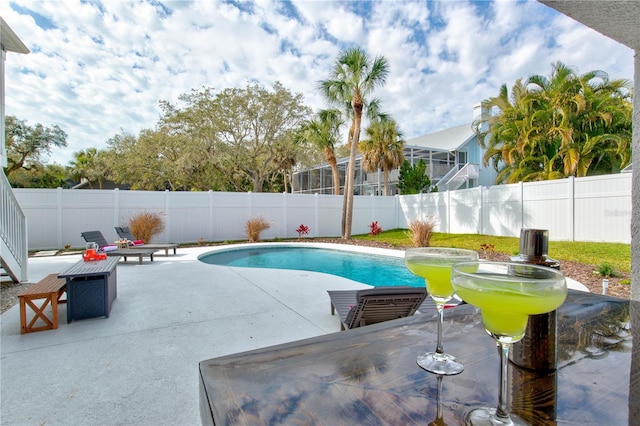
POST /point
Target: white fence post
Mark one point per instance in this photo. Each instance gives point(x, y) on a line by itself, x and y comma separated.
point(59, 215)
point(373, 207)
point(167, 216)
point(316, 212)
point(481, 211)
point(285, 223)
point(448, 210)
point(210, 231)
point(116, 207)
point(396, 210)
point(522, 207)
point(571, 208)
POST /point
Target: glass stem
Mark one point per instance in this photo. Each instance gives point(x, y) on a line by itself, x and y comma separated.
point(502, 412)
point(440, 308)
point(439, 398)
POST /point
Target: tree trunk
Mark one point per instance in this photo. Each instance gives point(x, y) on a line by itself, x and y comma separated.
point(336, 179)
point(347, 183)
point(348, 214)
point(330, 156)
point(284, 179)
point(345, 202)
point(258, 182)
point(385, 177)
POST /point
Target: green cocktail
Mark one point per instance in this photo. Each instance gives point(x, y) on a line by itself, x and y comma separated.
point(434, 265)
point(506, 293)
point(436, 275)
point(506, 308)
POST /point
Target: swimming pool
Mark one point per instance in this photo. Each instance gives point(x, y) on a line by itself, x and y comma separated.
point(367, 268)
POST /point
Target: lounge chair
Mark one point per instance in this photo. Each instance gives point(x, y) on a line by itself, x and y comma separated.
point(125, 233)
point(357, 308)
point(113, 250)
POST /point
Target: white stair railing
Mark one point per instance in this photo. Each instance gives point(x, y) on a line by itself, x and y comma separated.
point(459, 178)
point(13, 233)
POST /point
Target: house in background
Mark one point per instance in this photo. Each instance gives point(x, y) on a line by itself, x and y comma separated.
point(13, 223)
point(453, 157)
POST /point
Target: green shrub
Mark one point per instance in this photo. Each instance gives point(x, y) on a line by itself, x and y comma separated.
point(606, 270)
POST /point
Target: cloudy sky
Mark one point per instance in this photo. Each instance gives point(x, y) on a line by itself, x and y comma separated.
point(97, 69)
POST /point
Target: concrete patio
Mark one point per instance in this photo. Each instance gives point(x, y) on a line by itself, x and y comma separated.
point(140, 366)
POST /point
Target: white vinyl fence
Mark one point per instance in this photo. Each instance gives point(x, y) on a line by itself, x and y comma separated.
point(575, 209)
point(581, 209)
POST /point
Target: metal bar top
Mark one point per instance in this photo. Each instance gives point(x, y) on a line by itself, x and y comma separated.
point(91, 268)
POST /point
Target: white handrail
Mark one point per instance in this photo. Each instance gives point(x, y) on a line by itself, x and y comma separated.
point(13, 233)
point(459, 175)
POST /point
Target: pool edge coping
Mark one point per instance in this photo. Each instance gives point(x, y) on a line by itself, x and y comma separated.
point(571, 283)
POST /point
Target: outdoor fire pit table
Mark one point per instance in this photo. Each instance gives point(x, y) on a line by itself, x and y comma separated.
point(91, 288)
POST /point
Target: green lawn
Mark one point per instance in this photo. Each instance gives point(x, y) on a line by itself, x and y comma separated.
point(615, 254)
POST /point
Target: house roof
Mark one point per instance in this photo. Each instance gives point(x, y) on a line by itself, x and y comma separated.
point(9, 40)
point(445, 140)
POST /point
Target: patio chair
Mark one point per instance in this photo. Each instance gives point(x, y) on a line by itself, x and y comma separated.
point(113, 250)
point(357, 308)
point(125, 233)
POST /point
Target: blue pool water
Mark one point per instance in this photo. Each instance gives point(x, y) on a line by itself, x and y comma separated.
point(369, 269)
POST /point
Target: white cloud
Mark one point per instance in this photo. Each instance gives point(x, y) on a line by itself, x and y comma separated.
point(103, 67)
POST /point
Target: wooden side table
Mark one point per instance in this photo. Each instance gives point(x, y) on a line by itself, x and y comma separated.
point(123, 244)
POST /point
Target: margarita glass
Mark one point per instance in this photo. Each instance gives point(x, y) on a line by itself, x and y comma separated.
point(506, 293)
point(434, 265)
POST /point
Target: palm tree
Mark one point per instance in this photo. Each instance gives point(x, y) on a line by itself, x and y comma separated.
point(353, 78)
point(505, 133)
point(560, 126)
point(587, 117)
point(384, 150)
point(324, 131)
point(604, 125)
point(85, 165)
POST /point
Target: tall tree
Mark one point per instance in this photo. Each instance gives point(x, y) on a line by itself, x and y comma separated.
point(323, 131)
point(413, 179)
point(285, 159)
point(246, 134)
point(89, 165)
point(353, 78)
point(558, 126)
point(383, 150)
point(27, 146)
point(233, 140)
